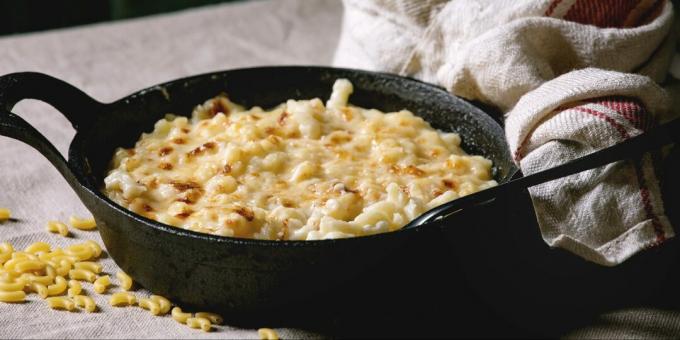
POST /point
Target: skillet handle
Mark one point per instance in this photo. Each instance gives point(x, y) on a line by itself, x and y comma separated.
point(79, 108)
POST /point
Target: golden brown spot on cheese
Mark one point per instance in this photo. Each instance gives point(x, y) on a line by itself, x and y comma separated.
point(282, 118)
point(225, 169)
point(184, 186)
point(202, 149)
point(413, 170)
point(179, 140)
point(164, 151)
point(165, 166)
point(247, 213)
point(449, 183)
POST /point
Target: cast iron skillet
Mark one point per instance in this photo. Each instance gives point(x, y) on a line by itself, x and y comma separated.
point(240, 276)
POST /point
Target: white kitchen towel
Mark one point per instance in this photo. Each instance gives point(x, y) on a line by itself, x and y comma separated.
point(543, 63)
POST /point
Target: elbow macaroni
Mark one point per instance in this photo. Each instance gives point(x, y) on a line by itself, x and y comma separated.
point(122, 299)
point(82, 223)
point(101, 284)
point(5, 214)
point(267, 334)
point(124, 280)
point(202, 323)
point(57, 227)
point(301, 171)
point(37, 270)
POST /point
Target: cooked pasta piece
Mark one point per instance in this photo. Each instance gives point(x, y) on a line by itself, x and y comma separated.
point(85, 302)
point(124, 280)
point(163, 303)
point(58, 227)
point(101, 284)
point(300, 171)
point(60, 302)
point(267, 334)
point(180, 316)
point(6, 251)
point(202, 323)
point(29, 266)
point(32, 278)
point(122, 299)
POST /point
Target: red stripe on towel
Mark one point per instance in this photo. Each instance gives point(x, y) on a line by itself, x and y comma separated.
point(601, 13)
point(630, 108)
point(552, 7)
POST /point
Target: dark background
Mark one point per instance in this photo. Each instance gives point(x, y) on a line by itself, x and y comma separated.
point(18, 16)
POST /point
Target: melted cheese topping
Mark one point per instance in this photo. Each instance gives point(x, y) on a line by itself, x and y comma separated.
point(302, 171)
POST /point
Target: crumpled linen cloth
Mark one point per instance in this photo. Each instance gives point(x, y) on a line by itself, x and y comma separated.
point(109, 61)
point(572, 76)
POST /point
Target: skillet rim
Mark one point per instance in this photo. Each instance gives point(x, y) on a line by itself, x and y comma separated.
point(77, 160)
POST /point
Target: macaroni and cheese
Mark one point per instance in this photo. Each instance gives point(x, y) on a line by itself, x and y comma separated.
point(301, 171)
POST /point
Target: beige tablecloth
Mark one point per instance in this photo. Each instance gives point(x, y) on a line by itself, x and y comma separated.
point(109, 61)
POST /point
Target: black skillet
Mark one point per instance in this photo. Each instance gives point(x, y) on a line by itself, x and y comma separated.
point(240, 276)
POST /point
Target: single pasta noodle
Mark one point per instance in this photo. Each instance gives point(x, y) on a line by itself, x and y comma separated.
point(163, 303)
point(29, 266)
point(85, 302)
point(13, 286)
point(5, 214)
point(58, 287)
point(82, 252)
point(202, 323)
point(150, 305)
point(38, 247)
point(32, 278)
point(75, 288)
point(214, 318)
point(125, 280)
point(82, 275)
point(13, 296)
point(96, 248)
point(58, 227)
point(39, 288)
point(101, 284)
point(122, 299)
point(267, 334)
point(60, 302)
point(180, 316)
point(82, 223)
point(6, 251)
point(89, 266)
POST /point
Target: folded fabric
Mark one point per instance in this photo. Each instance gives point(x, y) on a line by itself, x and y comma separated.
point(543, 63)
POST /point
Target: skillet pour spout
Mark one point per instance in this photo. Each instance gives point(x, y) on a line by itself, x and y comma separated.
point(242, 277)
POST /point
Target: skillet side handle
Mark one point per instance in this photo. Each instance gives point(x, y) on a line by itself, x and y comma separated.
point(79, 108)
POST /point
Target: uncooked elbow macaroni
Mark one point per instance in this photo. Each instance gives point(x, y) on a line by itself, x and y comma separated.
point(101, 284)
point(57, 227)
point(179, 316)
point(5, 214)
point(60, 302)
point(124, 280)
point(82, 223)
point(300, 171)
point(150, 305)
point(122, 299)
point(267, 334)
point(163, 303)
point(85, 302)
point(202, 323)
